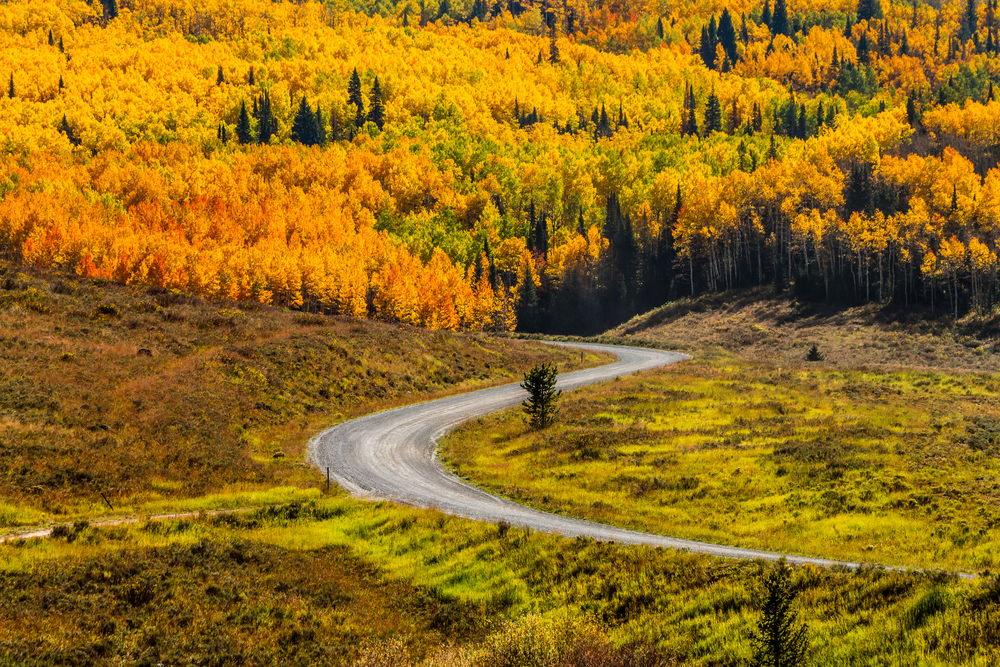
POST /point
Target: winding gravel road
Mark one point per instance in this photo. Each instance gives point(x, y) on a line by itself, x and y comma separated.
point(391, 456)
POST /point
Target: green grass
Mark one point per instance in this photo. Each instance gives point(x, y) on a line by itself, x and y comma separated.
point(894, 468)
point(335, 572)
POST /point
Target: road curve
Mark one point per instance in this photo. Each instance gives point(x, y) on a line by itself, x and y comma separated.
point(391, 456)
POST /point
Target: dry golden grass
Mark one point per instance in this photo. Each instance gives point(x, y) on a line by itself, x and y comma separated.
point(757, 325)
point(139, 395)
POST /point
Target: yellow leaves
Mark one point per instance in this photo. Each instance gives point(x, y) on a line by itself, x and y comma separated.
point(981, 258)
point(975, 122)
point(865, 139)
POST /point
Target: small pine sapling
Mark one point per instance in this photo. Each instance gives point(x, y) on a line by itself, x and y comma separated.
point(540, 406)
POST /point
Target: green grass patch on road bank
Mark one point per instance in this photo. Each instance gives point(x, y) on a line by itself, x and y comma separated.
point(884, 467)
point(315, 581)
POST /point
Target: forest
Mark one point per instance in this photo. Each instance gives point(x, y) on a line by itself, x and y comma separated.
point(545, 166)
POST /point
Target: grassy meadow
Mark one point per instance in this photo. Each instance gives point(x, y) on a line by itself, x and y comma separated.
point(157, 401)
point(891, 468)
point(333, 580)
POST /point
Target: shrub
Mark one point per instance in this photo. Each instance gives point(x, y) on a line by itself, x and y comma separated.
point(814, 354)
point(107, 310)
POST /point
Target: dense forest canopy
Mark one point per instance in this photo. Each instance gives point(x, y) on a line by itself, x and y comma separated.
point(555, 166)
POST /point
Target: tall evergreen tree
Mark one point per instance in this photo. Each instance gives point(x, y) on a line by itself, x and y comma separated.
point(758, 118)
point(336, 133)
point(849, 28)
point(765, 14)
point(320, 128)
point(62, 49)
point(220, 77)
point(869, 9)
point(772, 150)
point(553, 47)
point(659, 27)
point(376, 104)
point(52, 40)
point(61, 83)
point(692, 120)
point(251, 79)
point(11, 93)
point(267, 124)
point(779, 20)
point(969, 22)
point(110, 9)
point(727, 36)
point(527, 303)
point(243, 132)
point(802, 130)
point(354, 97)
point(713, 114)
point(65, 128)
point(542, 237)
point(304, 125)
point(791, 122)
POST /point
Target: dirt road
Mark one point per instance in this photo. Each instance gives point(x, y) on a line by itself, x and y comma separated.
point(391, 456)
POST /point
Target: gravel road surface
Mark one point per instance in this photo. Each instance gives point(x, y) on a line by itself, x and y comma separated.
point(391, 456)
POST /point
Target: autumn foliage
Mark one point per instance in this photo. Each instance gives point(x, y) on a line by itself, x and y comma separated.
point(418, 162)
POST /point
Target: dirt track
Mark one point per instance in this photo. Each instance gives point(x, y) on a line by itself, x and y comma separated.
point(391, 456)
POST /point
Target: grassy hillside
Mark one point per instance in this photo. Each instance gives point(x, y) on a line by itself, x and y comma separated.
point(888, 468)
point(321, 580)
point(145, 397)
point(760, 325)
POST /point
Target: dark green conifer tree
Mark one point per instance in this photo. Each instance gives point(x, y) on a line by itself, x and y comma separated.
point(336, 133)
point(110, 9)
point(780, 640)
point(727, 36)
point(376, 112)
point(52, 40)
point(765, 14)
point(659, 27)
point(66, 129)
point(267, 124)
point(61, 84)
point(527, 303)
point(354, 97)
point(969, 22)
point(304, 124)
point(251, 79)
point(772, 150)
point(244, 134)
point(220, 77)
point(713, 114)
point(62, 49)
point(779, 20)
point(11, 93)
point(791, 121)
point(869, 9)
point(320, 130)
